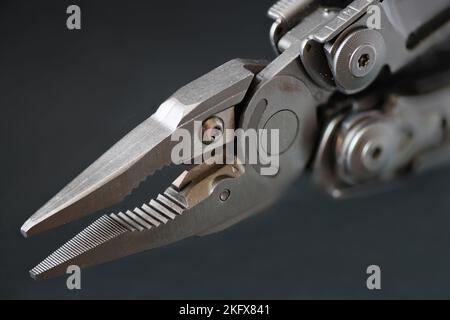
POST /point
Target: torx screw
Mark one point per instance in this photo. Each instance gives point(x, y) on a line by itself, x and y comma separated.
point(362, 60)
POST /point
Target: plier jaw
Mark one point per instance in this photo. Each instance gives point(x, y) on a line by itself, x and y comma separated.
point(178, 212)
point(145, 149)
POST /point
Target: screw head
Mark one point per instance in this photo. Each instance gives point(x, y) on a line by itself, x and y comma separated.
point(224, 195)
point(362, 60)
point(357, 59)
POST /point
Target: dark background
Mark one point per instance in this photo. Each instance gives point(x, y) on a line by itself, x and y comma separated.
point(66, 96)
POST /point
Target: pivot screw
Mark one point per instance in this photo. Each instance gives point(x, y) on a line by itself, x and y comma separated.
point(357, 59)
